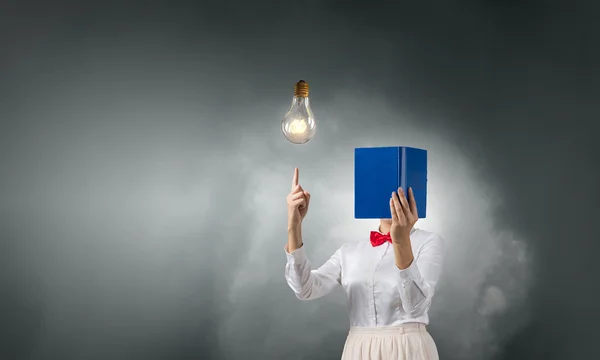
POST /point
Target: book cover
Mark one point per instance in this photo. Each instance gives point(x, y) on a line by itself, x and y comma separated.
point(378, 171)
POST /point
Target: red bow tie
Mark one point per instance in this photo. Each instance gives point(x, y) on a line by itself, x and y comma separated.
point(378, 238)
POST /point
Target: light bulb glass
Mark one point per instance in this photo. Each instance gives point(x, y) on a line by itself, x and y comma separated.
point(298, 125)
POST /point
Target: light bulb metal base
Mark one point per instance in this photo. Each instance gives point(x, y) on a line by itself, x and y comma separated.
point(301, 89)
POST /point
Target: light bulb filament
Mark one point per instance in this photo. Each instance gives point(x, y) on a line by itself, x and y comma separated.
point(298, 127)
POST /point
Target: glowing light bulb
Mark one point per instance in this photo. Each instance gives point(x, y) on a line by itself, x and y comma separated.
point(298, 125)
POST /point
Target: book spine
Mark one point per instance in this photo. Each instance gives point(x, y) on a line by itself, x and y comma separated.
point(402, 169)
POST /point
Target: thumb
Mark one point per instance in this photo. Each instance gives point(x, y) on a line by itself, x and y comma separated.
point(307, 195)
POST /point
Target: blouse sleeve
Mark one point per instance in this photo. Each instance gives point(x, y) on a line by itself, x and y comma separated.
point(310, 284)
point(416, 283)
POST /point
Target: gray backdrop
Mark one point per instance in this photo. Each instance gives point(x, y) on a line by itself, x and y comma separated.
point(144, 173)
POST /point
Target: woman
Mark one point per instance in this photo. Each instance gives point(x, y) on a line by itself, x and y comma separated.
point(389, 281)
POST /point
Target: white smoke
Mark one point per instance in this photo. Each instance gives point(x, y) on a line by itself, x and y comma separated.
point(460, 208)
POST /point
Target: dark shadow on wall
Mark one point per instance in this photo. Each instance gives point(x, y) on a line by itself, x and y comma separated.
point(21, 316)
point(534, 341)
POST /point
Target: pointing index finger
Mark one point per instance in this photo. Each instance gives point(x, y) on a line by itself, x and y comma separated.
point(295, 178)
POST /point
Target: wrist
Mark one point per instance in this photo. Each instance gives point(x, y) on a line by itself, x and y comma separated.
point(403, 247)
point(401, 240)
point(403, 255)
point(294, 228)
point(294, 237)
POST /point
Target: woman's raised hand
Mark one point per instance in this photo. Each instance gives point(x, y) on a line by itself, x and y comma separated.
point(297, 201)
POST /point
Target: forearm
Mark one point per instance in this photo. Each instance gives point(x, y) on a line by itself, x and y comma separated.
point(306, 283)
point(414, 292)
point(294, 237)
point(418, 277)
point(403, 254)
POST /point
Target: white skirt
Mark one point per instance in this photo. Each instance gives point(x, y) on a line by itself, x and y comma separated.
point(404, 342)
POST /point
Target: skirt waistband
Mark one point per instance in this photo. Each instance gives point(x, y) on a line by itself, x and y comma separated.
point(381, 330)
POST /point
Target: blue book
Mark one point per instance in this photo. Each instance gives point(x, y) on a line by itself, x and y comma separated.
point(379, 171)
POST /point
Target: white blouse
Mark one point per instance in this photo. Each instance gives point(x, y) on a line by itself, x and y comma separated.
point(377, 292)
